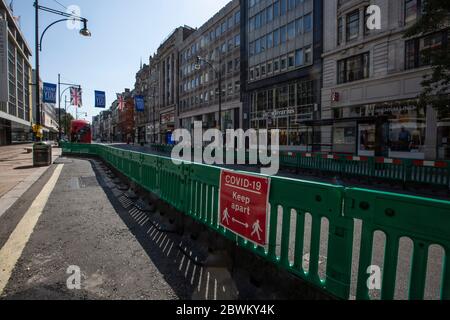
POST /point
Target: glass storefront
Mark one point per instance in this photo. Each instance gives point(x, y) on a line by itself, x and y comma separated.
point(286, 108)
point(396, 130)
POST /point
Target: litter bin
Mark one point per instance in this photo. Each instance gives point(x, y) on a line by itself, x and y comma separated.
point(42, 155)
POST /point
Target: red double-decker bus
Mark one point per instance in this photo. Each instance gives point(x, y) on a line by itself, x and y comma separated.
point(80, 131)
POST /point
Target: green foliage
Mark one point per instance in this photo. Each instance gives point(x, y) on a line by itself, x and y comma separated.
point(436, 86)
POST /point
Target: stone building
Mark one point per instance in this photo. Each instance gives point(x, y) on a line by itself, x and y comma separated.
point(15, 80)
point(371, 80)
point(218, 44)
point(142, 118)
point(281, 69)
point(167, 57)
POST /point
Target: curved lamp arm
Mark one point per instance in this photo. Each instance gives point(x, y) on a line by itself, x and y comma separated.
point(52, 24)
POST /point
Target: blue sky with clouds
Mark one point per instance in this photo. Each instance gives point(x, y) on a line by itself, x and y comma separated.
point(123, 32)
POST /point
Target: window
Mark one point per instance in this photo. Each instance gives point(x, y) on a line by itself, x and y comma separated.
point(224, 27)
point(263, 44)
point(299, 26)
point(251, 24)
point(299, 58)
point(237, 86)
point(292, 95)
point(237, 64)
point(411, 10)
point(258, 46)
point(237, 18)
point(237, 40)
point(257, 72)
point(283, 34)
point(283, 64)
point(269, 39)
point(291, 5)
point(415, 49)
point(353, 25)
point(269, 67)
point(230, 66)
point(283, 7)
point(291, 60)
point(308, 55)
point(251, 49)
point(269, 14)
point(276, 38)
point(307, 23)
point(291, 30)
point(230, 23)
point(257, 21)
point(263, 70)
point(252, 74)
point(353, 68)
point(276, 9)
point(340, 31)
point(276, 66)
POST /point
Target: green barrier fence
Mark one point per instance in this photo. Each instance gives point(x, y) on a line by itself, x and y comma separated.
point(298, 208)
point(400, 170)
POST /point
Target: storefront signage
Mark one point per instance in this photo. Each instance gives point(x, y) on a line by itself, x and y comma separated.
point(167, 118)
point(279, 113)
point(243, 205)
point(384, 109)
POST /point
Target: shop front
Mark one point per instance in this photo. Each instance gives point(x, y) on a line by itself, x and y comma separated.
point(395, 130)
point(288, 108)
point(167, 127)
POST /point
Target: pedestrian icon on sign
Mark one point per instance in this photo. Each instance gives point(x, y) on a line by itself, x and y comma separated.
point(257, 230)
point(226, 217)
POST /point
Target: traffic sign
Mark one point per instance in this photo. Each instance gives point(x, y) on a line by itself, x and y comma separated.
point(243, 205)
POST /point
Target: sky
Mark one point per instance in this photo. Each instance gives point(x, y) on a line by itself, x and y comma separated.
point(123, 33)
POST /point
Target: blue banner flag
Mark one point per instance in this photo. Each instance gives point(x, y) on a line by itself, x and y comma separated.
point(49, 93)
point(139, 103)
point(100, 99)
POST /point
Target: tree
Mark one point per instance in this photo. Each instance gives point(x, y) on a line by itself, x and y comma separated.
point(435, 17)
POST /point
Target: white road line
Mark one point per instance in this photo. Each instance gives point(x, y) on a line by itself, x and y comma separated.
point(12, 250)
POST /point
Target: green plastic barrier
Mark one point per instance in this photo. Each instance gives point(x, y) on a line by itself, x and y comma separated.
point(194, 190)
point(425, 221)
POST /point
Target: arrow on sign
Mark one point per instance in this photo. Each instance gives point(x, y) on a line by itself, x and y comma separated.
point(241, 223)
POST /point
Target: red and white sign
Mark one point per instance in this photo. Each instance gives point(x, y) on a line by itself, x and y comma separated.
point(243, 205)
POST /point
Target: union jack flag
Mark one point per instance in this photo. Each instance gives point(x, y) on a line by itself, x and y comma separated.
point(75, 97)
point(121, 101)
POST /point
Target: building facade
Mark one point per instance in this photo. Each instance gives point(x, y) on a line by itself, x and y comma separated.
point(372, 79)
point(15, 81)
point(218, 44)
point(126, 125)
point(281, 68)
point(168, 66)
point(142, 118)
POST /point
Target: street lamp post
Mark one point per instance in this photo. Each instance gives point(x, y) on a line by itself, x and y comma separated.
point(60, 97)
point(38, 39)
point(218, 72)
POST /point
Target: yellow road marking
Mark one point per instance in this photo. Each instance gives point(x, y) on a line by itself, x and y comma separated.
point(12, 250)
